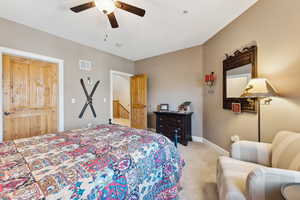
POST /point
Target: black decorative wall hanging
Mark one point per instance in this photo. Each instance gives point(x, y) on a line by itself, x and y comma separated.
point(89, 99)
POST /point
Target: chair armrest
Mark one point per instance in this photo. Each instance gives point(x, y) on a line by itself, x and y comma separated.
point(254, 152)
point(265, 183)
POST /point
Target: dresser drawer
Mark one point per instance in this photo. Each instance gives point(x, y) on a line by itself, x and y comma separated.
point(166, 131)
point(167, 123)
point(175, 123)
point(172, 121)
point(163, 118)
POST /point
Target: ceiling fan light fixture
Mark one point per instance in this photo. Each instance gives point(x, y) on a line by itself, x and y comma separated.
point(106, 6)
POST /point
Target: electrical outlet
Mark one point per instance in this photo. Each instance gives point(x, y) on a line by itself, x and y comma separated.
point(235, 138)
point(73, 100)
point(104, 100)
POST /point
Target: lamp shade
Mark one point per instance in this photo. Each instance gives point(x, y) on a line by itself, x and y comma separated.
point(260, 88)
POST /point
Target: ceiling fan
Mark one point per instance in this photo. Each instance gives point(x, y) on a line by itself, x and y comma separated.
point(108, 7)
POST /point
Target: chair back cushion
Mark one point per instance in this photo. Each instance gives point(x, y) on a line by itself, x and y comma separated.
point(286, 151)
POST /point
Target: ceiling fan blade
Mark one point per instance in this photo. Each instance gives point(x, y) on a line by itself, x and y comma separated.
point(129, 8)
point(83, 7)
point(113, 20)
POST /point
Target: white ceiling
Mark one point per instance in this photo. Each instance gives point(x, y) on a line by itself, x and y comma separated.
point(163, 29)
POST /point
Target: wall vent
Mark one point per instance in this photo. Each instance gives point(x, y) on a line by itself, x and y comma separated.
point(85, 65)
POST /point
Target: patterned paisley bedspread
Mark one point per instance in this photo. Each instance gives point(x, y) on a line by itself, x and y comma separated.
point(107, 162)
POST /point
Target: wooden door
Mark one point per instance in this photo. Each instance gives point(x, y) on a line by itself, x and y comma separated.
point(116, 111)
point(138, 88)
point(30, 92)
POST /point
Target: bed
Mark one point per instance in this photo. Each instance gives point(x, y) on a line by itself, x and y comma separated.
point(107, 162)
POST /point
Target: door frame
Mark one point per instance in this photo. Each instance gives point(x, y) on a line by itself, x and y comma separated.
point(29, 55)
point(112, 72)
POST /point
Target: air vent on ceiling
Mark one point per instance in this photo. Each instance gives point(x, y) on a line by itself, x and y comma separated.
point(85, 65)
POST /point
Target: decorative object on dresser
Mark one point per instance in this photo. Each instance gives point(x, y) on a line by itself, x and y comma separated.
point(185, 107)
point(167, 123)
point(238, 70)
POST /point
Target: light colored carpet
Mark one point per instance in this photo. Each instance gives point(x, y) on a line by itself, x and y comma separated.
point(199, 173)
point(121, 121)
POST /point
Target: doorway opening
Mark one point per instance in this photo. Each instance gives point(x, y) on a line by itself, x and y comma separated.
point(120, 98)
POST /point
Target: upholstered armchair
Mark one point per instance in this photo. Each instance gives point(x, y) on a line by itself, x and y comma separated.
point(256, 171)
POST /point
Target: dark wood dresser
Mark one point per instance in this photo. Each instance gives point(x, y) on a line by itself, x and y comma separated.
point(168, 122)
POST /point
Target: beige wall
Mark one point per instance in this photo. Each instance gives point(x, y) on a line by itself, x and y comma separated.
point(274, 26)
point(175, 78)
point(20, 37)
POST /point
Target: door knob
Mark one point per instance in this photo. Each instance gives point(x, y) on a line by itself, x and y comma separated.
point(7, 113)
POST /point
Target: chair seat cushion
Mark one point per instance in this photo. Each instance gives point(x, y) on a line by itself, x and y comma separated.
point(231, 178)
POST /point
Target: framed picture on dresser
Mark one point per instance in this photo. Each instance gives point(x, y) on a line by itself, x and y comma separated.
point(163, 107)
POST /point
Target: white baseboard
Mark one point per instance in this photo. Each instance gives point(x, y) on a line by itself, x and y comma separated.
point(216, 147)
point(197, 139)
point(205, 141)
point(213, 145)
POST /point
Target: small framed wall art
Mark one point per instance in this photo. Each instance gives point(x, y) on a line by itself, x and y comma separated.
point(236, 107)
